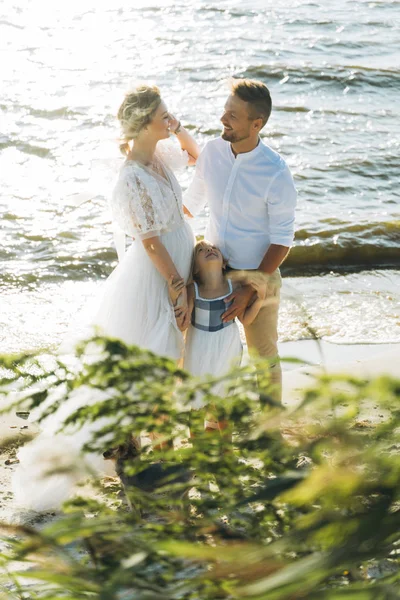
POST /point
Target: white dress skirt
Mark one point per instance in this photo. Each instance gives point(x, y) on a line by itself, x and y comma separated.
point(135, 306)
point(211, 352)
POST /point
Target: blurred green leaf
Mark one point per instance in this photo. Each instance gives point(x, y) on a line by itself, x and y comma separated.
point(250, 524)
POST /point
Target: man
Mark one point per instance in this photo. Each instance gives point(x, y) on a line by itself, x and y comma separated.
point(251, 197)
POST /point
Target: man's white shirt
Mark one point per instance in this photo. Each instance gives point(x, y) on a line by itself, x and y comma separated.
point(251, 199)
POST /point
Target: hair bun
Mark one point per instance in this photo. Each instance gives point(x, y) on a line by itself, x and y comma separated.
point(137, 111)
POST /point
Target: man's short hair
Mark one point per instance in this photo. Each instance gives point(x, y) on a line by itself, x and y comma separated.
point(256, 94)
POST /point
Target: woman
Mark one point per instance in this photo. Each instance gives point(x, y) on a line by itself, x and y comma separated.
point(138, 302)
point(137, 306)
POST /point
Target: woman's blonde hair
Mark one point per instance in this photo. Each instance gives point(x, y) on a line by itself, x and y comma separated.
point(137, 111)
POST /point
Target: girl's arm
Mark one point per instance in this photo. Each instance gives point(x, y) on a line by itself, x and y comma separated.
point(251, 312)
point(186, 141)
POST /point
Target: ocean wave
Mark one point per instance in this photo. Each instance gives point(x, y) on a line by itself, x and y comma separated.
point(57, 113)
point(346, 247)
point(9, 24)
point(26, 148)
point(55, 272)
point(43, 113)
point(386, 232)
point(338, 247)
point(294, 109)
point(330, 23)
point(383, 166)
point(334, 75)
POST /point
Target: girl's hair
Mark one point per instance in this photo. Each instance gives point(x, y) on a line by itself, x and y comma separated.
point(137, 111)
point(194, 276)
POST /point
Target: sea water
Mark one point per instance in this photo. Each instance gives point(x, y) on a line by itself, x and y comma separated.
point(333, 70)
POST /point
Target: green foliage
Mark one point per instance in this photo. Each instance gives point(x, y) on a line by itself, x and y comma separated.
point(245, 521)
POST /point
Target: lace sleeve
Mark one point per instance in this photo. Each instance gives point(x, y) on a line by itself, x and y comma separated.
point(133, 207)
point(172, 154)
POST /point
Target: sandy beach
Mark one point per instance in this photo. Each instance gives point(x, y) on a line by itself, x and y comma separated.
point(361, 360)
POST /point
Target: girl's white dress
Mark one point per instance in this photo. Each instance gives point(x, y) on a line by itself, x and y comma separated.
point(210, 348)
point(134, 307)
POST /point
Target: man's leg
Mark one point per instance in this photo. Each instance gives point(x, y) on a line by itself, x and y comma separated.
point(262, 334)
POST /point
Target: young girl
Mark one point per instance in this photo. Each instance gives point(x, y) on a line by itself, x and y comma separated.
point(213, 347)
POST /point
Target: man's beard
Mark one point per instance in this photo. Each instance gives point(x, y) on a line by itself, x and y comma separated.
point(233, 137)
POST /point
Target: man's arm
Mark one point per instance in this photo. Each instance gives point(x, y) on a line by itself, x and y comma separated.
point(243, 297)
point(281, 203)
point(273, 258)
point(194, 199)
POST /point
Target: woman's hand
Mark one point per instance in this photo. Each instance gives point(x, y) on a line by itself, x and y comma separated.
point(181, 310)
point(186, 141)
point(174, 123)
point(182, 317)
point(175, 287)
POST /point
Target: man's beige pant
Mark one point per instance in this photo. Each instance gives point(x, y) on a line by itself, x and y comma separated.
point(262, 334)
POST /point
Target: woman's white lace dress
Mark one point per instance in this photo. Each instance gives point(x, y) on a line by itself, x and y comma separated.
point(147, 202)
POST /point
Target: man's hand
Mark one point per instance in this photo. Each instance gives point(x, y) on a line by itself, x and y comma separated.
point(241, 299)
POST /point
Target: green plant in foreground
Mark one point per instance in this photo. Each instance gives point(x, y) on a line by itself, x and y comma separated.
point(248, 524)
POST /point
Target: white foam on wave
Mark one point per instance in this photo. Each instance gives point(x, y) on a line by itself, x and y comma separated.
point(361, 308)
